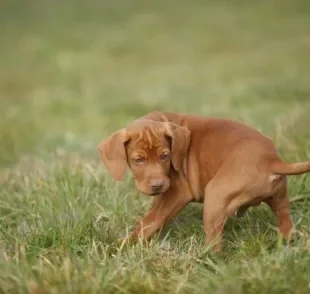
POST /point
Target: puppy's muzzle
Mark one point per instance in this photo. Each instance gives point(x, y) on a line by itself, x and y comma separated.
point(156, 186)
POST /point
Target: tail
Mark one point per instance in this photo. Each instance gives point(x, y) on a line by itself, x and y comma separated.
point(282, 168)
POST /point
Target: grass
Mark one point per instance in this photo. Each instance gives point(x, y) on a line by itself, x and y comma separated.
point(73, 72)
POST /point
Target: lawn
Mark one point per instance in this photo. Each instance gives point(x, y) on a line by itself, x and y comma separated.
point(72, 72)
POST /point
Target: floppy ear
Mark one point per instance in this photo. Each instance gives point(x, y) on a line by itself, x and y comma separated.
point(113, 154)
point(180, 142)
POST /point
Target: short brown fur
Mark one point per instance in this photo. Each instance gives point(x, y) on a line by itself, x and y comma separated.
point(180, 158)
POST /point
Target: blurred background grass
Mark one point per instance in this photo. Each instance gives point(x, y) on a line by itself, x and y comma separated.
point(72, 72)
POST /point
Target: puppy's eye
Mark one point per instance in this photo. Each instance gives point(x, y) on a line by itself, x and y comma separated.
point(138, 160)
point(164, 156)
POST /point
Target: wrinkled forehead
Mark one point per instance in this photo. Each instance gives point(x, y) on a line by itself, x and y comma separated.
point(147, 137)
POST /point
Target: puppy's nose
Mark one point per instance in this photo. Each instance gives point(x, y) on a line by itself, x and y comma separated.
point(156, 184)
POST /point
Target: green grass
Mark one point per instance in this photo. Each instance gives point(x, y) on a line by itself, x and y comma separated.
point(73, 72)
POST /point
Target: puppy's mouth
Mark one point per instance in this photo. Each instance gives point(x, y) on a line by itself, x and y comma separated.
point(154, 194)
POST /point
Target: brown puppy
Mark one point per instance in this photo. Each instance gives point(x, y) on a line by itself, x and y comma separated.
point(181, 158)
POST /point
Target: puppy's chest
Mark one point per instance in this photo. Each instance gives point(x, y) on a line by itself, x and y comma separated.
point(196, 185)
point(198, 177)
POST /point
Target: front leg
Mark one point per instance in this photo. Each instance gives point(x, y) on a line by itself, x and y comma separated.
point(164, 207)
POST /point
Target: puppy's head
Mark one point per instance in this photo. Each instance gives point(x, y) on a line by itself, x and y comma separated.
point(150, 149)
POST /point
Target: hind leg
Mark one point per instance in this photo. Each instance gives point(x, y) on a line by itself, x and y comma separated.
point(217, 208)
point(214, 219)
point(279, 204)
